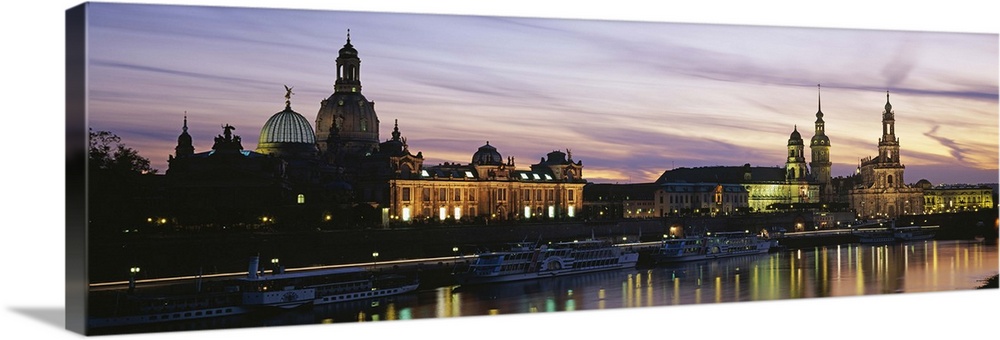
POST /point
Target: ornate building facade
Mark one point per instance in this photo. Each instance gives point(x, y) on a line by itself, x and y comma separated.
point(711, 198)
point(762, 187)
point(950, 198)
point(880, 190)
point(488, 188)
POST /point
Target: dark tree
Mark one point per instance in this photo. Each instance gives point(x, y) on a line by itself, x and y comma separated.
point(108, 153)
point(120, 185)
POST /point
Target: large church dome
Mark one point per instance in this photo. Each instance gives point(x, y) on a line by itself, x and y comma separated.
point(287, 127)
point(287, 133)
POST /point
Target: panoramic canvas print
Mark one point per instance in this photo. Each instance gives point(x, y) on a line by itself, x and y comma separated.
point(250, 167)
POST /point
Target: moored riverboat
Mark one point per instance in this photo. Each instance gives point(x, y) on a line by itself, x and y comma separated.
point(908, 234)
point(527, 261)
point(876, 237)
point(254, 292)
point(710, 246)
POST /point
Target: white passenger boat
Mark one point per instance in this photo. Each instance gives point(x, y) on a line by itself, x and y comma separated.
point(254, 292)
point(529, 261)
point(710, 246)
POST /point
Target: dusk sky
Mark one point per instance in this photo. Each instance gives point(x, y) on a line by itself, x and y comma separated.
point(854, 77)
point(630, 99)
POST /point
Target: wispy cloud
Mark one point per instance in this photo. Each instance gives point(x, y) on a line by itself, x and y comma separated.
point(630, 98)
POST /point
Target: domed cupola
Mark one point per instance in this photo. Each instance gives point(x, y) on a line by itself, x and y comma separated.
point(287, 133)
point(795, 138)
point(487, 155)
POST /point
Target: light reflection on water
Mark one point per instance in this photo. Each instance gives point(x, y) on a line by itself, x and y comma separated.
point(846, 270)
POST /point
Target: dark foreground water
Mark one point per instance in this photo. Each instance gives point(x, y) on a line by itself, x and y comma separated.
point(847, 270)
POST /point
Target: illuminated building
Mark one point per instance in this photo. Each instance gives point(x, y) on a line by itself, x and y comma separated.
point(879, 190)
point(486, 188)
point(956, 197)
point(762, 187)
point(701, 198)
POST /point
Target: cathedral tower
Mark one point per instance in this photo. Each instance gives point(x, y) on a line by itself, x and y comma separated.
point(882, 193)
point(346, 125)
point(820, 147)
point(795, 165)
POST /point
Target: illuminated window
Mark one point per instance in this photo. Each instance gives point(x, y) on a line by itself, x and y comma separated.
point(536, 176)
point(468, 174)
point(458, 213)
point(524, 176)
point(571, 211)
point(301, 199)
point(527, 212)
point(552, 211)
point(406, 213)
point(547, 177)
point(443, 213)
point(424, 173)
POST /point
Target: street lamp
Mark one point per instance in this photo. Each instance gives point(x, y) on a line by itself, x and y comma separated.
point(131, 278)
point(276, 269)
point(375, 259)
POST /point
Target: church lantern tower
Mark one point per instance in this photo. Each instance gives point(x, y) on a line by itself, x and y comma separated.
point(184, 145)
point(346, 118)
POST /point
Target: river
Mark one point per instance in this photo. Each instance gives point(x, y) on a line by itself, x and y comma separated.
point(845, 270)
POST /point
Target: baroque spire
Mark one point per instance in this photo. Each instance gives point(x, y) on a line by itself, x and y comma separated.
point(819, 102)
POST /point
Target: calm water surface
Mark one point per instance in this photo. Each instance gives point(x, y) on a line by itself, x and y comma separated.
point(847, 270)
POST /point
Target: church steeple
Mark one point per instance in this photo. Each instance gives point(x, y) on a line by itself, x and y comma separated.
point(889, 144)
point(820, 134)
point(819, 146)
point(888, 120)
point(348, 69)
